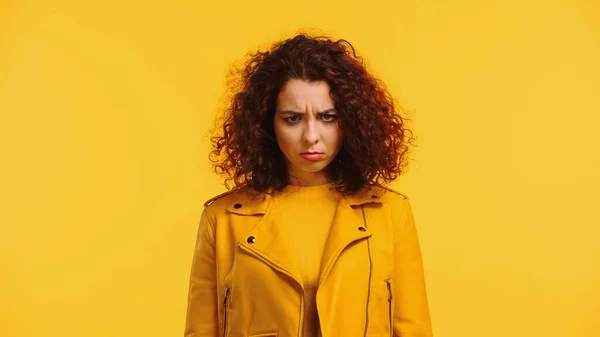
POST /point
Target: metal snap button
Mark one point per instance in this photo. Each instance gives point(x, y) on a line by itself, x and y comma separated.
point(237, 206)
point(251, 239)
point(362, 229)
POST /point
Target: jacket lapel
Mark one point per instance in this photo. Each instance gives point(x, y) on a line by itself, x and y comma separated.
point(267, 240)
point(347, 227)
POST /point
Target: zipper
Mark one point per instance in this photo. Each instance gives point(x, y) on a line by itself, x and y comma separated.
point(302, 314)
point(389, 289)
point(225, 306)
point(362, 207)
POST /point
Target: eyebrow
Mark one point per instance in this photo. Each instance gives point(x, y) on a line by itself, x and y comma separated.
point(291, 112)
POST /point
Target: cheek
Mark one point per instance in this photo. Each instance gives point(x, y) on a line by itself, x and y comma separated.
point(334, 136)
point(284, 137)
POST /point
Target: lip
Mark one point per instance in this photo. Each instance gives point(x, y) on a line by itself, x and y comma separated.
point(312, 156)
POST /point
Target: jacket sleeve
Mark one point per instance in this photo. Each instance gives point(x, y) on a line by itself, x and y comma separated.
point(411, 309)
point(202, 307)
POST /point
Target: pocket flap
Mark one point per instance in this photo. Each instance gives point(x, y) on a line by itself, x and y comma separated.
point(273, 333)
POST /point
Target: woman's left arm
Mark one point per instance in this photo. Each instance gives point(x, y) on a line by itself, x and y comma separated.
point(411, 309)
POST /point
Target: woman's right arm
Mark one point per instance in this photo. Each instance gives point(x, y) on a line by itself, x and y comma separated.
point(202, 308)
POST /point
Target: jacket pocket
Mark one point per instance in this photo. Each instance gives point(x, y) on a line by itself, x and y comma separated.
point(388, 284)
point(226, 310)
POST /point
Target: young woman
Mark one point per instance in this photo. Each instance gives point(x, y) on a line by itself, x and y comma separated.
point(310, 242)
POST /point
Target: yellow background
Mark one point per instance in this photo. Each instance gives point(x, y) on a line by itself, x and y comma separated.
point(104, 109)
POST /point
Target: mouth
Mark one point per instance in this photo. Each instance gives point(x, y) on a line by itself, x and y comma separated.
point(312, 156)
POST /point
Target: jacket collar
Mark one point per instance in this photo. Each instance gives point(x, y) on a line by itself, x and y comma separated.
point(368, 195)
point(269, 241)
point(247, 202)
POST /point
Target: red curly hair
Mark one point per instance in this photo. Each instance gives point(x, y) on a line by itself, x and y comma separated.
point(375, 137)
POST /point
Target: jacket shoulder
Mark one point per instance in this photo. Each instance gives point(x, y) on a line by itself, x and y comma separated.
point(219, 196)
point(389, 189)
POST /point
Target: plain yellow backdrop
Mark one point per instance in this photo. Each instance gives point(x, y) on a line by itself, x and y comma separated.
point(104, 108)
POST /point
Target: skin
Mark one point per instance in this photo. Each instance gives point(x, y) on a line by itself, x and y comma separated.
point(305, 121)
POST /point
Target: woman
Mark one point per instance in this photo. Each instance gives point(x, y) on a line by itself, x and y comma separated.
point(310, 242)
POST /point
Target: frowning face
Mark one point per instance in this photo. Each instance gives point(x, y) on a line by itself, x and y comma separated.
point(307, 130)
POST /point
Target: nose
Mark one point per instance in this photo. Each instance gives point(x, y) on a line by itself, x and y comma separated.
point(311, 133)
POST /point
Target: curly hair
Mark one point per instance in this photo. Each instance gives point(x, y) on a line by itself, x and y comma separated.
point(375, 137)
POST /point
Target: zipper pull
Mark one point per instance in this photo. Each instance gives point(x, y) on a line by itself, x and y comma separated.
point(226, 297)
point(389, 288)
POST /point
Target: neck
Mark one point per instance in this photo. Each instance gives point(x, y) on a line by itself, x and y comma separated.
point(308, 179)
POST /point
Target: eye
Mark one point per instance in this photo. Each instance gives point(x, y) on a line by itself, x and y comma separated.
point(292, 119)
point(328, 117)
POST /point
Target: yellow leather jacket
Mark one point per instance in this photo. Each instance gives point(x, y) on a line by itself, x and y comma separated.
point(244, 282)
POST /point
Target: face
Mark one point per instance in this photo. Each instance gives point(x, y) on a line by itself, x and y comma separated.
point(307, 130)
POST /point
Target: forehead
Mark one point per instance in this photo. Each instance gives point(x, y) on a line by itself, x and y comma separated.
point(299, 93)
